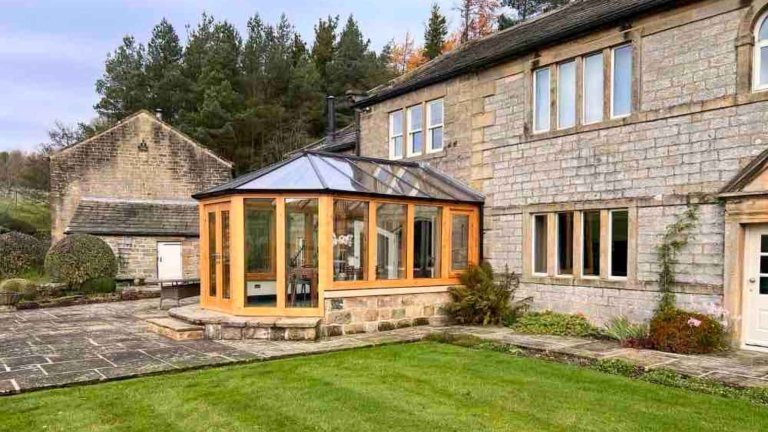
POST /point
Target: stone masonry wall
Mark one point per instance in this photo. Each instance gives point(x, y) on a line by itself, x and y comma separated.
point(687, 137)
point(691, 63)
point(352, 315)
point(111, 165)
point(137, 256)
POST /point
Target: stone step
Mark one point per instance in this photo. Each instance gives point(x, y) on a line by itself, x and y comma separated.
point(175, 329)
point(224, 326)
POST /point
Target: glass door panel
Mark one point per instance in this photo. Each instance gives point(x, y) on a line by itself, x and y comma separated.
point(217, 242)
point(301, 254)
point(260, 252)
point(213, 257)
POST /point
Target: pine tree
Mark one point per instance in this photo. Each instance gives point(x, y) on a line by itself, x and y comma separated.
point(435, 34)
point(323, 48)
point(525, 9)
point(212, 65)
point(167, 86)
point(123, 87)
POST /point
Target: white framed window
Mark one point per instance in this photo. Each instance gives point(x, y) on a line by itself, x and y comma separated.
point(594, 89)
point(618, 243)
point(415, 130)
point(541, 103)
point(621, 81)
point(396, 134)
point(435, 126)
point(566, 94)
point(539, 244)
point(760, 61)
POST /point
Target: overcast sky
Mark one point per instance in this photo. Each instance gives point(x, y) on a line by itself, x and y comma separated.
point(52, 52)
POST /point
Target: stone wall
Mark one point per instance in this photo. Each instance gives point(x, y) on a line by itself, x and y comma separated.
point(350, 315)
point(115, 165)
point(139, 159)
point(137, 256)
point(690, 63)
point(689, 134)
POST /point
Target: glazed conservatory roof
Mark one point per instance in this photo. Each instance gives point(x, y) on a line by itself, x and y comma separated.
point(314, 171)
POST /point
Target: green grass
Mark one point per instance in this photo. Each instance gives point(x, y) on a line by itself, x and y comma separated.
point(419, 387)
point(30, 211)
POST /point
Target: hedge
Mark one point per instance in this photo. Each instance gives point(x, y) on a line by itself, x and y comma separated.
point(20, 253)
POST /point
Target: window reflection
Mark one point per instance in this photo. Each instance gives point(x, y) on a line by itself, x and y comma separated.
point(260, 253)
point(350, 240)
point(426, 242)
point(460, 242)
point(390, 241)
point(301, 224)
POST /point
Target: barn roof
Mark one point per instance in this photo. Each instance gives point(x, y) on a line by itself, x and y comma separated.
point(135, 218)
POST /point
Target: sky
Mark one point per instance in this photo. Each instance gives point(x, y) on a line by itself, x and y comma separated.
point(52, 52)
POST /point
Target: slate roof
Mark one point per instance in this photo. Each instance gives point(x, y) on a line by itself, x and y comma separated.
point(565, 23)
point(343, 140)
point(313, 171)
point(134, 217)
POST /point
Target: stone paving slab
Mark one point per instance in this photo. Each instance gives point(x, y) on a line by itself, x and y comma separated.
point(737, 368)
point(94, 343)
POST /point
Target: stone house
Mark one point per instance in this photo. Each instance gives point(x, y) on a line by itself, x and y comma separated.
point(589, 130)
point(131, 185)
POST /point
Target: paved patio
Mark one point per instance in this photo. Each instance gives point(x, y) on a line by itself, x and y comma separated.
point(84, 344)
point(91, 343)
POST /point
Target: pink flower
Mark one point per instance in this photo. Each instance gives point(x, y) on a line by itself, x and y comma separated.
point(693, 322)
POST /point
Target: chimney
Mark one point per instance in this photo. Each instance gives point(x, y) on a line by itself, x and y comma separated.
point(331, 108)
point(159, 114)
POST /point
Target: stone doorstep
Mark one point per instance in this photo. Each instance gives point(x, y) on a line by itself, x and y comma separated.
point(175, 329)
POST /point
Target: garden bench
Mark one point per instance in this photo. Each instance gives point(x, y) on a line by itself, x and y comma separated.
point(178, 289)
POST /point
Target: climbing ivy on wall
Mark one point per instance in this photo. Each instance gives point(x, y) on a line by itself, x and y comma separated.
point(675, 239)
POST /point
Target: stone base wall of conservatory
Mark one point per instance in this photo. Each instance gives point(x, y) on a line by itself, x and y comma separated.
point(373, 310)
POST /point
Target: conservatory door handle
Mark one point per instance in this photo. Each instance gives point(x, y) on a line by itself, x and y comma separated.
point(751, 280)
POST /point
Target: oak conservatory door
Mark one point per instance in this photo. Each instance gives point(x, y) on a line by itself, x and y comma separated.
point(755, 292)
point(217, 247)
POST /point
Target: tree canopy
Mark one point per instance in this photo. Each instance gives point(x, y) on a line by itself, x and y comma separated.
point(249, 98)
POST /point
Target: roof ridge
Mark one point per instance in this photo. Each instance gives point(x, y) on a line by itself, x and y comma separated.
point(123, 121)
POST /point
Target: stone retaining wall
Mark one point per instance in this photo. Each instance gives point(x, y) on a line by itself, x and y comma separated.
point(368, 314)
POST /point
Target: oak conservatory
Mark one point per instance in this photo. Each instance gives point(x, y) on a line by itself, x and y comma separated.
point(322, 227)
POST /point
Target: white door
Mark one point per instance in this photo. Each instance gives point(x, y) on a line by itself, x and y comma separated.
point(755, 304)
point(169, 260)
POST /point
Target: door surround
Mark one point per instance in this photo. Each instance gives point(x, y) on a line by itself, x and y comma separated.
point(741, 212)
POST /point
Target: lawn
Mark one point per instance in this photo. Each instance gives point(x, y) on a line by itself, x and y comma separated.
point(419, 387)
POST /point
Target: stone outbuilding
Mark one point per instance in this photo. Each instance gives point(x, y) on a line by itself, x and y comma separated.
point(131, 185)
